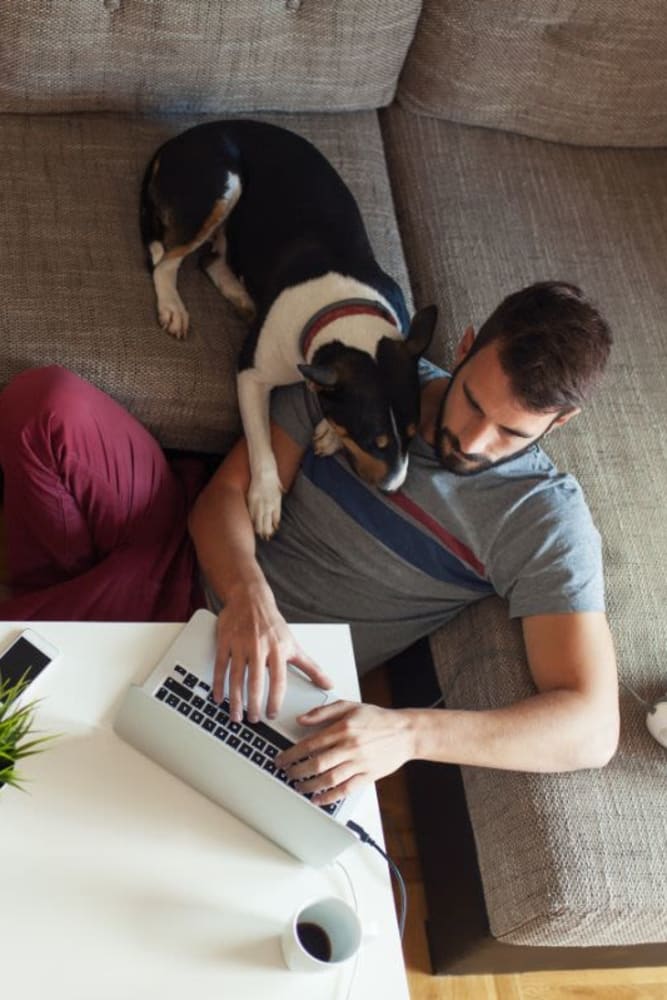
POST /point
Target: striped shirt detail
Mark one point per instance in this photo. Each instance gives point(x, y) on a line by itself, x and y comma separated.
point(436, 553)
point(450, 542)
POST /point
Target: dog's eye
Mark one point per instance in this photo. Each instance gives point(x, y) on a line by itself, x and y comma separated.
point(382, 441)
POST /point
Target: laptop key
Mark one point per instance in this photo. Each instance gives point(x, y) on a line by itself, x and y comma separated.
point(209, 725)
point(259, 743)
point(173, 701)
point(184, 708)
point(269, 766)
point(197, 716)
point(235, 727)
point(222, 717)
point(258, 758)
point(221, 733)
point(173, 685)
point(245, 750)
point(247, 734)
point(233, 742)
point(161, 694)
point(271, 751)
point(197, 702)
point(211, 711)
point(190, 680)
point(180, 670)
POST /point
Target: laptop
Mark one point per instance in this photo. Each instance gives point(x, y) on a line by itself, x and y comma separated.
point(173, 719)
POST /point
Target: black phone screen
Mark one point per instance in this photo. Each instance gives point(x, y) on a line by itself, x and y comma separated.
point(22, 659)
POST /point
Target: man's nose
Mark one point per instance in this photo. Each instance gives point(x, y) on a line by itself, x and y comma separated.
point(476, 438)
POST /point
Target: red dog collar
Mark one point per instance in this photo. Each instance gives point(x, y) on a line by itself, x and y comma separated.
point(346, 307)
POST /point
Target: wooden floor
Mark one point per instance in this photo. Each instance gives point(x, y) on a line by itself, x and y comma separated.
point(634, 984)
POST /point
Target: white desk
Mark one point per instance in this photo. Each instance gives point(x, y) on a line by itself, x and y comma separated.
point(121, 883)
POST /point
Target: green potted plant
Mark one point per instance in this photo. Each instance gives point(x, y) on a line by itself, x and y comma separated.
point(16, 722)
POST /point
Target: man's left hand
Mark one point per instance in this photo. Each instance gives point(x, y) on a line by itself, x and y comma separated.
point(358, 745)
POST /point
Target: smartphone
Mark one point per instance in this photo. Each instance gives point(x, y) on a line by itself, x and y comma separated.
point(26, 657)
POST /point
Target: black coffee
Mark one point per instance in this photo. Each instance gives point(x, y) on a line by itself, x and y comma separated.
point(315, 940)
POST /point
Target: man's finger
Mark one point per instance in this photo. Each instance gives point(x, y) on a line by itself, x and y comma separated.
point(307, 747)
point(255, 689)
point(311, 669)
point(220, 672)
point(277, 683)
point(341, 791)
point(236, 675)
point(326, 713)
point(333, 777)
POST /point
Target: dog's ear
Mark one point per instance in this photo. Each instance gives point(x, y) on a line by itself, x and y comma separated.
point(320, 376)
point(421, 331)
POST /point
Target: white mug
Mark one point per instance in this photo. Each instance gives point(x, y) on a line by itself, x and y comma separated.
point(322, 935)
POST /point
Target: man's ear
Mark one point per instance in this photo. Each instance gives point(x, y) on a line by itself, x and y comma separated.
point(564, 417)
point(465, 343)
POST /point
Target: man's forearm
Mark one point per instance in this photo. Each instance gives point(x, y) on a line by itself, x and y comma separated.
point(224, 538)
point(551, 731)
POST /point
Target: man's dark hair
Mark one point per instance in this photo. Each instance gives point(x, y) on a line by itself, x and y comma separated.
point(552, 344)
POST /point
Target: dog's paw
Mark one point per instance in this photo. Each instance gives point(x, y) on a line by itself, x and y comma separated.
point(325, 439)
point(244, 306)
point(264, 503)
point(174, 319)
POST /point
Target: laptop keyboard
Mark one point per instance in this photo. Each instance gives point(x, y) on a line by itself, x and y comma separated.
point(193, 698)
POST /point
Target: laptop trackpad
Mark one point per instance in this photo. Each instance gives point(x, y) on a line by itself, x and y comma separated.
point(300, 696)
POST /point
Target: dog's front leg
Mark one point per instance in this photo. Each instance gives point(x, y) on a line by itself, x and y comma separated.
point(265, 493)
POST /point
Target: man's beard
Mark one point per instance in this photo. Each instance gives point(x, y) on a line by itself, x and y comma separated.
point(456, 460)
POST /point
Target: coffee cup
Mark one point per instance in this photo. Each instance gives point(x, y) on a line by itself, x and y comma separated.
point(321, 935)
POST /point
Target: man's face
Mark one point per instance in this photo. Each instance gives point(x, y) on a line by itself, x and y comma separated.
point(480, 422)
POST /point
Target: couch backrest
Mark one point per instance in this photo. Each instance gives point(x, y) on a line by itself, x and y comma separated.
point(590, 72)
point(196, 56)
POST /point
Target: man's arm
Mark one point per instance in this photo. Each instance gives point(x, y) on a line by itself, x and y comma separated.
point(571, 722)
point(252, 634)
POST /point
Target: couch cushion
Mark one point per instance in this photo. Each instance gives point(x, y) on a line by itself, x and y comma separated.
point(75, 287)
point(152, 55)
point(590, 71)
point(567, 859)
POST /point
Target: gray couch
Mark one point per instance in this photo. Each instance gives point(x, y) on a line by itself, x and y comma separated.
point(489, 145)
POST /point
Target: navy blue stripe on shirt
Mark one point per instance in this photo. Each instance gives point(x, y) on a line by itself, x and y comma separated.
point(366, 506)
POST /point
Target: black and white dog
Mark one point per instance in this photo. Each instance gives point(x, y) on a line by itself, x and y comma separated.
point(290, 252)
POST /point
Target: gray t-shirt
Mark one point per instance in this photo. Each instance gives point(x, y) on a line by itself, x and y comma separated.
point(397, 566)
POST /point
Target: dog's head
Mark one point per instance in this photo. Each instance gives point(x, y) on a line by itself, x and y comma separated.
point(373, 403)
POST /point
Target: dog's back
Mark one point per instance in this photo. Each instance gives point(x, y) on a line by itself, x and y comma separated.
point(297, 218)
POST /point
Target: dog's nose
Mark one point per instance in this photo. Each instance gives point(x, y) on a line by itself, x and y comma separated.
point(396, 478)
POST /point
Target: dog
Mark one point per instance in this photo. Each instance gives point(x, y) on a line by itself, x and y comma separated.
point(282, 238)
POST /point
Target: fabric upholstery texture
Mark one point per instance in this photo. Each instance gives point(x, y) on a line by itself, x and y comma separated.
point(141, 55)
point(565, 859)
point(589, 72)
point(76, 289)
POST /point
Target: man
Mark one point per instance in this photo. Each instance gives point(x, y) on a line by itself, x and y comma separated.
point(96, 530)
point(483, 510)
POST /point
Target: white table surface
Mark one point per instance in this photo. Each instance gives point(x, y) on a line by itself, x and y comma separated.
point(119, 882)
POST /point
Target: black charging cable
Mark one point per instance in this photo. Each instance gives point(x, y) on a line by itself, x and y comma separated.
point(366, 838)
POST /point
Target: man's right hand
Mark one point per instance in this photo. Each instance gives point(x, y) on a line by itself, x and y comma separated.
point(253, 637)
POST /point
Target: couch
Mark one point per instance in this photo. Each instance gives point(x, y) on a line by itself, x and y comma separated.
point(489, 145)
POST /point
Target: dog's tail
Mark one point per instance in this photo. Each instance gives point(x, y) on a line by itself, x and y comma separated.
point(150, 221)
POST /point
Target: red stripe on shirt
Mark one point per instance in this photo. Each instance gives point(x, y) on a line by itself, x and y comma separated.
point(449, 541)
